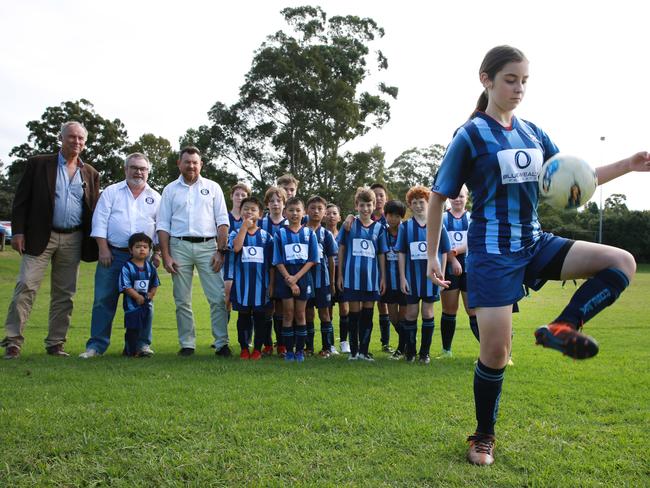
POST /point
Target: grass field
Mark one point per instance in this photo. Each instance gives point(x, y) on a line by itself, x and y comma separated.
point(206, 421)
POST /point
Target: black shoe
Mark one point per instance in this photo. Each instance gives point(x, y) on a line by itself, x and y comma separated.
point(223, 352)
point(387, 348)
point(186, 351)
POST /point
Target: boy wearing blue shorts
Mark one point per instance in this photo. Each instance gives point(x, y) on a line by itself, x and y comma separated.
point(412, 247)
point(362, 271)
point(295, 252)
point(323, 277)
point(139, 283)
point(395, 300)
point(252, 249)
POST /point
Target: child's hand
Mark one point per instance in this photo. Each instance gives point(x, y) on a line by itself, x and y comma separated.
point(250, 223)
point(404, 287)
point(295, 289)
point(339, 283)
point(139, 300)
point(150, 296)
point(347, 224)
point(291, 280)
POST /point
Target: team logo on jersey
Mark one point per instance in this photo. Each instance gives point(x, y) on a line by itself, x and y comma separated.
point(204, 191)
point(458, 238)
point(418, 249)
point(252, 254)
point(149, 200)
point(141, 285)
point(296, 251)
point(363, 247)
point(519, 165)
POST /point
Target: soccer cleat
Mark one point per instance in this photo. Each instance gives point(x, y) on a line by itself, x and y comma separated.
point(256, 356)
point(445, 354)
point(282, 351)
point(410, 359)
point(244, 354)
point(289, 356)
point(12, 352)
point(387, 348)
point(309, 352)
point(345, 347)
point(299, 357)
point(89, 353)
point(366, 357)
point(324, 354)
point(396, 356)
point(425, 359)
point(333, 351)
point(481, 449)
point(564, 337)
point(267, 351)
point(353, 357)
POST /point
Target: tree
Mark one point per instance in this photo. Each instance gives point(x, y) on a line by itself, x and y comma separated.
point(415, 166)
point(615, 203)
point(104, 147)
point(158, 150)
point(6, 195)
point(301, 101)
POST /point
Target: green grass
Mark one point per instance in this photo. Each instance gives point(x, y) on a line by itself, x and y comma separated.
point(205, 421)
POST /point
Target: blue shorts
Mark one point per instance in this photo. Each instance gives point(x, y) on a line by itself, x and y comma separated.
point(414, 299)
point(495, 280)
point(393, 296)
point(247, 308)
point(282, 290)
point(350, 295)
point(322, 298)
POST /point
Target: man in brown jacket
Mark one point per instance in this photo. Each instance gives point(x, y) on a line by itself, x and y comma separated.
point(51, 222)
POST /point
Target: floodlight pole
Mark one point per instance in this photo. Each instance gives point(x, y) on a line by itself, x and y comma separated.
point(600, 216)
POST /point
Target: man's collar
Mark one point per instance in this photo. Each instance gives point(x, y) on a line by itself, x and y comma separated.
point(63, 161)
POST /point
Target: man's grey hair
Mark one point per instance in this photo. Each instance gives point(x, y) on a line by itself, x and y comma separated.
point(136, 155)
point(70, 123)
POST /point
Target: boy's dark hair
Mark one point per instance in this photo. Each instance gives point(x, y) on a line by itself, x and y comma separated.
point(330, 205)
point(379, 185)
point(395, 207)
point(254, 201)
point(140, 237)
point(316, 199)
point(295, 201)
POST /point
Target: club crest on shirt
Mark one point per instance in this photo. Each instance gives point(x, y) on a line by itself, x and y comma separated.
point(519, 165)
point(149, 200)
point(204, 191)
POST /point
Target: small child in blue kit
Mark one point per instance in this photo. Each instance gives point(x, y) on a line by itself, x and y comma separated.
point(139, 283)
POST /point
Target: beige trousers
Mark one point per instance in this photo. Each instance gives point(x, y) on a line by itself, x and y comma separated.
point(64, 251)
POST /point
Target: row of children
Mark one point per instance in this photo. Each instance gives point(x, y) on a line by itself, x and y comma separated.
point(285, 265)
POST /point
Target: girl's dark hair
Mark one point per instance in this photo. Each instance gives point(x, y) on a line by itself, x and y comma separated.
point(493, 62)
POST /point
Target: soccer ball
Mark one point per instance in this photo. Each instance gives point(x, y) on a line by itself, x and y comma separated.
point(566, 182)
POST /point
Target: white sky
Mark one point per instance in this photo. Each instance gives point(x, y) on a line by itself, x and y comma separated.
point(160, 65)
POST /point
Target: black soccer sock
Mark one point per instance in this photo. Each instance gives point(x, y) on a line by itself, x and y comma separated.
point(344, 325)
point(353, 330)
point(288, 338)
point(326, 334)
point(401, 345)
point(447, 329)
point(243, 325)
point(277, 327)
point(309, 342)
point(487, 393)
point(300, 331)
point(473, 325)
point(261, 334)
point(427, 335)
point(365, 329)
point(410, 333)
point(131, 341)
point(268, 328)
point(594, 295)
point(384, 329)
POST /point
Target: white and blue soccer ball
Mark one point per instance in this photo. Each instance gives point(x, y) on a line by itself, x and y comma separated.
point(566, 182)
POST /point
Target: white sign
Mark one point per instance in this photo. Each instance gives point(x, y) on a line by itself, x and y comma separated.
point(141, 285)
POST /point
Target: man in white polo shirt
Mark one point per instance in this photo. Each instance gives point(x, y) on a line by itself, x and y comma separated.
point(192, 213)
point(123, 209)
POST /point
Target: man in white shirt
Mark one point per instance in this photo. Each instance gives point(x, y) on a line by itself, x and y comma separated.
point(123, 209)
point(192, 213)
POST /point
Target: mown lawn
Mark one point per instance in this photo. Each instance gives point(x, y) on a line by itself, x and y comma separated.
point(205, 421)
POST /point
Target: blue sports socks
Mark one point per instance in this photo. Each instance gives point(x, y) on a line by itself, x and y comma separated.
point(447, 330)
point(365, 329)
point(327, 334)
point(344, 324)
point(309, 342)
point(300, 332)
point(399, 328)
point(594, 295)
point(487, 393)
point(427, 335)
point(410, 337)
point(288, 338)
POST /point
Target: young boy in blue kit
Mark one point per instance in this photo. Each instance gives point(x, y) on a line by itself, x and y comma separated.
point(362, 271)
point(252, 249)
point(295, 252)
point(139, 283)
point(323, 276)
point(412, 247)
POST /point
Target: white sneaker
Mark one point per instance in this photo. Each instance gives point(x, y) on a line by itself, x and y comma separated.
point(333, 350)
point(366, 357)
point(445, 354)
point(353, 357)
point(89, 353)
point(147, 350)
point(345, 347)
point(510, 362)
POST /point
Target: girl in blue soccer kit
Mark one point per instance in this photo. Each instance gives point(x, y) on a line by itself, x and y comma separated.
point(499, 157)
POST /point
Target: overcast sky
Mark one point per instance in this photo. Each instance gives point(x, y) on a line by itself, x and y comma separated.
point(159, 66)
